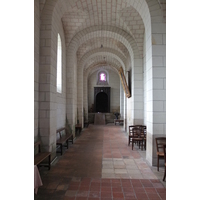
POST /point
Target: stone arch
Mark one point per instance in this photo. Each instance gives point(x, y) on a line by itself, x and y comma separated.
point(82, 81)
point(101, 51)
point(92, 32)
point(109, 54)
point(92, 69)
point(47, 72)
point(101, 44)
point(104, 71)
point(146, 9)
point(141, 7)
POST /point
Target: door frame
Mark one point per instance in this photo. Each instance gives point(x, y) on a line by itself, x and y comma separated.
point(97, 90)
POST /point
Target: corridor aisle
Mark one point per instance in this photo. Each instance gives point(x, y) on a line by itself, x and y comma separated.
point(100, 166)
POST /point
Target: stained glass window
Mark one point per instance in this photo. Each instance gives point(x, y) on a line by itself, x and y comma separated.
point(102, 77)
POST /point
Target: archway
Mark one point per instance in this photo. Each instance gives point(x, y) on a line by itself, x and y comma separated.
point(102, 99)
point(102, 102)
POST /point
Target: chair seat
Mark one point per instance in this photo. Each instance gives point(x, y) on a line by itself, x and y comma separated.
point(160, 154)
point(137, 138)
point(160, 143)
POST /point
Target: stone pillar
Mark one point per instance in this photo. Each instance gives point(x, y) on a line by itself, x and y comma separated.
point(155, 84)
point(71, 98)
point(121, 101)
point(36, 67)
point(47, 86)
point(138, 92)
point(80, 88)
point(85, 95)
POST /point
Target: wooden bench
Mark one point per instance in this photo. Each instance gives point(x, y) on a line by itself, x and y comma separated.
point(118, 121)
point(86, 124)
point(41, 156)
point(78, 128)
point(64, 138)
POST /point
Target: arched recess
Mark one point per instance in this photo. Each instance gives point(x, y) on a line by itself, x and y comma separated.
point(141, 6)
point(107, 52)
point(94, 68)
point(108, 55)
point(88, 37)
point(102, 77)
point(82, 78)
point(155, 78)
point(102, 101)
point(47, 122)
point(91, 75)
point(94, 32)
point(89, 32)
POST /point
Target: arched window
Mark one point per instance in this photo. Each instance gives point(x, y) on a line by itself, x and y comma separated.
point(59, 65)
point(102, 77)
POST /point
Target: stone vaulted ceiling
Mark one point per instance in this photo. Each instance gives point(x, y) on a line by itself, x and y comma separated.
point(105, 17)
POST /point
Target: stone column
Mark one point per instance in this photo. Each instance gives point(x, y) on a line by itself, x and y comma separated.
point(155, 84)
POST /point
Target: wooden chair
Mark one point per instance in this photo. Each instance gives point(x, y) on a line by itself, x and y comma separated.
point(137, 137)
point(160, 141)
point(143, 129)
point(164, 150)
point(143, 135)
point(131, 133)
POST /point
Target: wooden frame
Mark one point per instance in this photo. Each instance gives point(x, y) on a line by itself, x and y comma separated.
point(124, 84)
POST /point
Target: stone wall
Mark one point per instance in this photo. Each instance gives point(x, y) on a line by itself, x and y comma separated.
point(114, 83)
point(36, 66)
point(108, 116)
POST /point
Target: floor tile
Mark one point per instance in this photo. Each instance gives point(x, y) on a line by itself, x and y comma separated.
point(120, 171)
point(96, 167)
point(108, 170)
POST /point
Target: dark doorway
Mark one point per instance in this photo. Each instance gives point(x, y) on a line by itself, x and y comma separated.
point(102, 102)
point(102, 99)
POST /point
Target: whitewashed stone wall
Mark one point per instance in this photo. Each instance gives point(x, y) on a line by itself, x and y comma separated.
point(135, 104)
point(138, 92)
point(114, 83)
point(36, 66)
point(155, 79)
point(129, 101)
point(52, 104)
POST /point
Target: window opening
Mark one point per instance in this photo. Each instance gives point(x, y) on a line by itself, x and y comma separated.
point(59, 65)
point(102, 77)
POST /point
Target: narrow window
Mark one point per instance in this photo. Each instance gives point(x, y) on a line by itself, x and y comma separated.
point(59, 65)
point(102, 77)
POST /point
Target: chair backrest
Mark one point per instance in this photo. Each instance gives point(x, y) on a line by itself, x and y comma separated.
point(164, 150)
point(160, 141)
point(136, 132)
point(131, 129)
point(143, 131)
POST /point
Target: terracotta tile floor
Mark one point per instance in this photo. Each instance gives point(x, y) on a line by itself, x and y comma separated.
point(101, 166)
